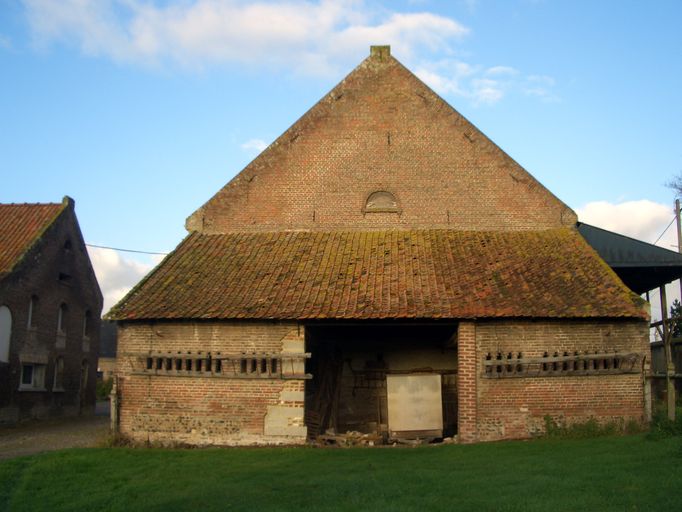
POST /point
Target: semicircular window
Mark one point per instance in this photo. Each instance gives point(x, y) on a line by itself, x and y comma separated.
point(381, 201)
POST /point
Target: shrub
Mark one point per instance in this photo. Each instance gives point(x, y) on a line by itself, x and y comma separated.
point(661, 426)
point(104, 388)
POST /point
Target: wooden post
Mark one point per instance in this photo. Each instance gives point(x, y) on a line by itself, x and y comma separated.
point(670, 366)
point(679, 234)
point(113, 407)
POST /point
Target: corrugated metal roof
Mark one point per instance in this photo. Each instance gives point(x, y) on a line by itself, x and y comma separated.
point(640, 265)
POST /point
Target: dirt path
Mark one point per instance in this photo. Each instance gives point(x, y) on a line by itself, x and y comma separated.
point(54, 434)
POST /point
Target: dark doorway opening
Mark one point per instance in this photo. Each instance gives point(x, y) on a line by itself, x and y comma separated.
point(350, 365)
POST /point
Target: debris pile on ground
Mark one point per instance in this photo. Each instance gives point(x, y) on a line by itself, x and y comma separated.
point(350, 438)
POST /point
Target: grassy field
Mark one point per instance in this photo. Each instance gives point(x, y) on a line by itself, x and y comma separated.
point(608, 473)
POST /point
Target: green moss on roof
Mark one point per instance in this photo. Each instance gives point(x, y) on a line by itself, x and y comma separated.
point(381, 274)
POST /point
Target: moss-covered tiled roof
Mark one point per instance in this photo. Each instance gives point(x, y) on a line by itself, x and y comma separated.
point(21, 225)
point(381, 274)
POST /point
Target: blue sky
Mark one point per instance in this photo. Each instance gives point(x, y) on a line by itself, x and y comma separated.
point(142, 110)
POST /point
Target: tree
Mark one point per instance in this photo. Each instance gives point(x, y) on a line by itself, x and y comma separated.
point(676, 185)
point(676, 312)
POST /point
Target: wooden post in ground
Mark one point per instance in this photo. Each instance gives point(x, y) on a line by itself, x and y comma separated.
point(679, 234)
point(669, 365)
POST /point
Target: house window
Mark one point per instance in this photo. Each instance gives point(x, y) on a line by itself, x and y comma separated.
point(32, 308)
point(5, 333)
point(61, 319)
point(32, 377)
point(86, 324)
point(58, 375)
point(85, 368)
point(87, 321)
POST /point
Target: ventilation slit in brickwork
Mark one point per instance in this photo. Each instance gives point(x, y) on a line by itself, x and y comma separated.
point(150, 363)
point(243, 366)
point(273, 365)
point(218, 366)
point(500, 365)
point(264, 366)
point(188, 365)
point(254, 365)
point(159, 363)
point(178, 364)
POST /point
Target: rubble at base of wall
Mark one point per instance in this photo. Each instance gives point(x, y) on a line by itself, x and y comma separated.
point(244, 441)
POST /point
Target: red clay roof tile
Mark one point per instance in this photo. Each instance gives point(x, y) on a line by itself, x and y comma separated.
point(21, 225)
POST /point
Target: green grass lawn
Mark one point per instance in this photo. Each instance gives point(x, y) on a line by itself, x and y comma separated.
point(607, 473)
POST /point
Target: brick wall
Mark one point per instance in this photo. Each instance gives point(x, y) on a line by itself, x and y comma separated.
point(382, 129)
point(467, 380)
point(210, 408)
point(510, 408)
point(39, 276)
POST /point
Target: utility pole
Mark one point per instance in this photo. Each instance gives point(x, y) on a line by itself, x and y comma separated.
point(670, 366)
point(679, 234)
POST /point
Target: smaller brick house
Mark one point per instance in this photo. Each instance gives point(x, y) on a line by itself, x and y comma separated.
point(50, 307)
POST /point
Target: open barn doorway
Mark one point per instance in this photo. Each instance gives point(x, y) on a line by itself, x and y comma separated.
point(393, 381)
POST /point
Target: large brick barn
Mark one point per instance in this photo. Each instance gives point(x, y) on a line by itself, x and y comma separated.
point(382, 267)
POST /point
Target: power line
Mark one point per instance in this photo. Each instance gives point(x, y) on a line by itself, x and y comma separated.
point(666, 229)
point(126, 250)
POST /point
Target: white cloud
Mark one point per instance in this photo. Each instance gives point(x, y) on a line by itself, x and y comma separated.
point(644, 220)
point(483, 86)
point(257, 145)
point(501, 70)
point(314, 37)
point(486, 91)
point(5, 42)
point(117, 274)
point(541, 86)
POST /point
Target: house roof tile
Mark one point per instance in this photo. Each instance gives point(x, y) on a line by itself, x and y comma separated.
point(381, 275)
point(21, 225)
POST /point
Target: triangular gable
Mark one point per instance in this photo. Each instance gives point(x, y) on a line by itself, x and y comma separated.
point(382, 130)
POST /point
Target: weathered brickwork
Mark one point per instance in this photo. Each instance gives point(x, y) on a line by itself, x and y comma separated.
point(55, 272)
point(382, 129)
point(516, 407)
point(467, 383)
point(210, 408)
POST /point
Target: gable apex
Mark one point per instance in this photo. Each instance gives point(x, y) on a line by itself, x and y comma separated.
point(381, 129)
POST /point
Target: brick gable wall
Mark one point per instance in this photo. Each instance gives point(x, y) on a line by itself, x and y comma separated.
point(382, 129)
point(38, 273)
